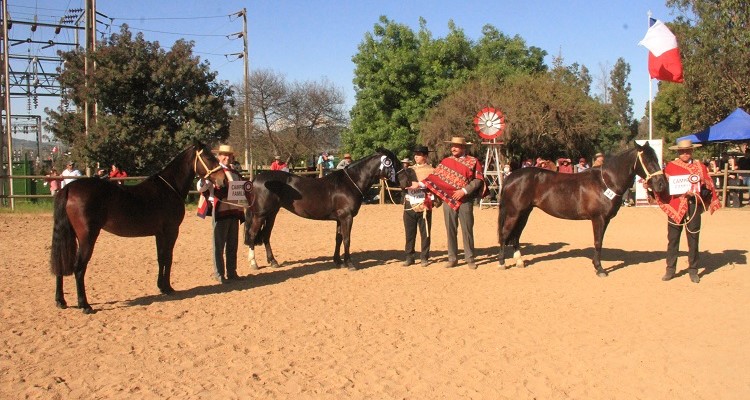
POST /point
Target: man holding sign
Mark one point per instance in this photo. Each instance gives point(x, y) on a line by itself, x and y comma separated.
point(227, 215)
point(691, 192)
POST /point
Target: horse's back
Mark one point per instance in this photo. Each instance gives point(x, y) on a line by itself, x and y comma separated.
point(562, 195)
point(307, 197)
point(131, 211)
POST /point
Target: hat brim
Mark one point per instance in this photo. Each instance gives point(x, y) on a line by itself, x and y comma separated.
point(692, 146)
point(459, 144)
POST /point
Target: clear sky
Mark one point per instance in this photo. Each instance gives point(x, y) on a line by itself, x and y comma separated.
point(316, 39)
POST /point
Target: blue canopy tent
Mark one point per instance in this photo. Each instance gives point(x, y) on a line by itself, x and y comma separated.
point(735, 127)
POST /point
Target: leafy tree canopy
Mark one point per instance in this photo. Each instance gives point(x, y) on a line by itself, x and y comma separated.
point(150, 103)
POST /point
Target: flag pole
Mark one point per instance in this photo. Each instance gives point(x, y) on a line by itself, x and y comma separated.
point(650, 98)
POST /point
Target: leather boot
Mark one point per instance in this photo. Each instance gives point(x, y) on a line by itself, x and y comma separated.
point(669, 274)
point(694, 276)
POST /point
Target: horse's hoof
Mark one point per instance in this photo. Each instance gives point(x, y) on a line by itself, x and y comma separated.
point(602, 274)
point(254, 267)
point(520, 264)
point(351, 267)
point(88, 310)
point(503, 266)
point(274, 264)
point(61, 305)
point(168, 291)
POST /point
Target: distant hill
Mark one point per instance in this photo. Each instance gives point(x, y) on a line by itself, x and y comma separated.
point(23, 145)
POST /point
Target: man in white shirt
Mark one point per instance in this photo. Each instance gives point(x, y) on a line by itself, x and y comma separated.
point(69, 171)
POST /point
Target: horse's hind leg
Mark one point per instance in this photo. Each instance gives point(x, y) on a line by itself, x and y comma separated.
point(59, 294)
point(515, 236)
point(85, 250)
point(266, 232)
point(346, 232)
point(337, 250)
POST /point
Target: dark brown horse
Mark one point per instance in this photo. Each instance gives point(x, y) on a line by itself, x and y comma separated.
point(594, 194)
point(154, 207)
point(336, 196)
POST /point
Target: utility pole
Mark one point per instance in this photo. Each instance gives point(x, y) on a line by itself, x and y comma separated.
point(6, 105)
point(246, 111)
point(90, 39)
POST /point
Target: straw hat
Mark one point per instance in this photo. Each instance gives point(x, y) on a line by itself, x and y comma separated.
point(347, 155)
point(277, 157)
point(685, 144)
point(458, 140)
point(406, 161)
point(224, 149)
point(597, 155)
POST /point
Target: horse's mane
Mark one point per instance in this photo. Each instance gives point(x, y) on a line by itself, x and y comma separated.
point(618, 160)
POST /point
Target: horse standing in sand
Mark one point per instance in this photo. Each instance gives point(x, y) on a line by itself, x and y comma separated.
point(594, 194)
point(337, 196)
point(154, 207)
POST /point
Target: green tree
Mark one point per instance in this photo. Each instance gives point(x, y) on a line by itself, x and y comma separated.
point(150, 103)
point(713, 37)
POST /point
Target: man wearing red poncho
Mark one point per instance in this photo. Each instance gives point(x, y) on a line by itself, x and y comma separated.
point(685, 208)
point(458, 180)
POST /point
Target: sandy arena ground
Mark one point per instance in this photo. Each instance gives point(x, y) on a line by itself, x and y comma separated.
point(308, 330)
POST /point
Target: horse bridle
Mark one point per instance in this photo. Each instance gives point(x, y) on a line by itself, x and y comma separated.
point(203, 163)
point(645, 170)
point(639, 158)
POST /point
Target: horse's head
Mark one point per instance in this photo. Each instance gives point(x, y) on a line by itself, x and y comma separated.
point(207, 166)
point(389, 165)
point(405, 177)
point(648, 167)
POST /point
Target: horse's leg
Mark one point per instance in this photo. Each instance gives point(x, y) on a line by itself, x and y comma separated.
point(504, 228)
point(600, 226)
point(515, 236)
point(253, 224)
point(267, 228)
point(339, 240)
point(164, 252)
point(85, 250)
point(59, 294)
point(346, 233)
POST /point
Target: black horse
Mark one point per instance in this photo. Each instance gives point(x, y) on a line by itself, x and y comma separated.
point(337, 196)
point(594, 194)
point(154, 207)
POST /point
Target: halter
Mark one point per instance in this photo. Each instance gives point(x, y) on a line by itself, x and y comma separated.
point(638, 159)
point(203, 163)
point(645, 170)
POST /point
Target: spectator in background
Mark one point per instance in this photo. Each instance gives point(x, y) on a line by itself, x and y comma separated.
point(71, 171)
point(564, 166)
point(744, 164)
point(506, 170)
point(734, 179)
point(713, 168)
point(527, 164)
point(598, 160)
point(101, 173)
point(325, 162)
point(116, 172)
point(582, 165)
point(54, 184)
point(345, 162)
point(279, 165)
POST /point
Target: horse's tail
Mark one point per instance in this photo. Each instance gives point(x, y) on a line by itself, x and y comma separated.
point(501, 217)
point(64, 242)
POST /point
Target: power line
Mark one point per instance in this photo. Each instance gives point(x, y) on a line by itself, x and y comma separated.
point(168, 33)
point(171, 18)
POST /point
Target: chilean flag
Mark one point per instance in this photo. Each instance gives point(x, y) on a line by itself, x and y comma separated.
point(664, 61)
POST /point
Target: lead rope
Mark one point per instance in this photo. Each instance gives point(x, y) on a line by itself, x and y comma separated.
point(412, 208)
point(352, 181)
point(690, 218)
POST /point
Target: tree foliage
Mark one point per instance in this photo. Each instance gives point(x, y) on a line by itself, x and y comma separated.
point(713, 37)
point(150, 103)
point(400, 74)
point(293, 120)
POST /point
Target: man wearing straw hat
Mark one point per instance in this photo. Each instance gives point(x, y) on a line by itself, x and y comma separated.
point(458, 180)
point(684, 205)
point(226, 218)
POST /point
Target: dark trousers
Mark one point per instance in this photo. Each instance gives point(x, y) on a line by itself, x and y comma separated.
point(226, 232)
point(464, 215)
point(692, 233)
point(412, 221)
